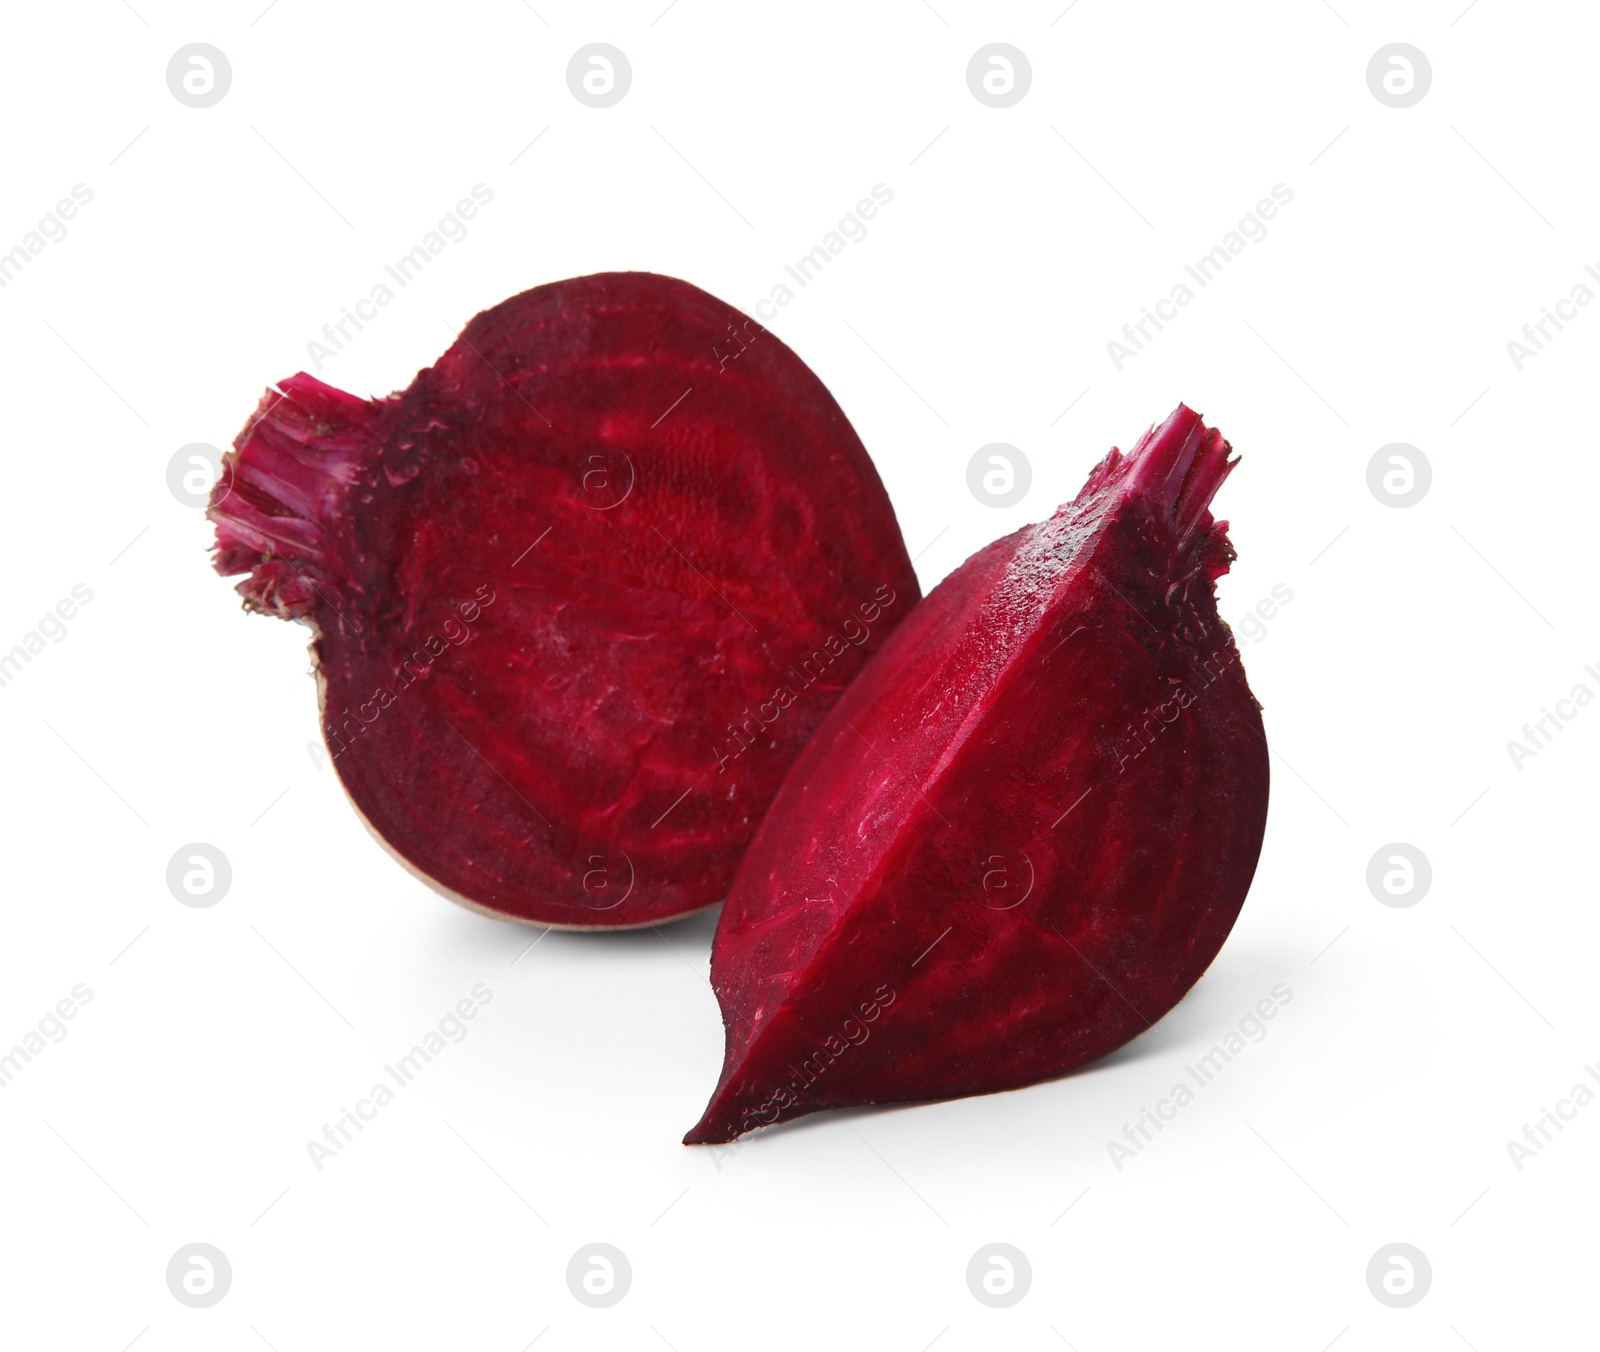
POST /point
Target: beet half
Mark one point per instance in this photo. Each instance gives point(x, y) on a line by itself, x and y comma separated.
point(1024, 831)
point(580, 594)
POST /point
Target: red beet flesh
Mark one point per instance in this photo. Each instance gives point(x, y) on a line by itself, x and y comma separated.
point(581, 593)
point(1022, 833)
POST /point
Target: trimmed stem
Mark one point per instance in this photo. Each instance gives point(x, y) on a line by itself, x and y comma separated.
point(282, 491)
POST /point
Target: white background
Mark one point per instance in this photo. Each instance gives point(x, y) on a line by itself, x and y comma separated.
point(1418, 642)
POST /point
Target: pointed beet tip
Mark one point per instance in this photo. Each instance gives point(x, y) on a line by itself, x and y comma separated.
point(720, 1123)
point(705, 1132)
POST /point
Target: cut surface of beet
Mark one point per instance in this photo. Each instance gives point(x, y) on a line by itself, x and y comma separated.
point(1025, 830)
point(580, 594)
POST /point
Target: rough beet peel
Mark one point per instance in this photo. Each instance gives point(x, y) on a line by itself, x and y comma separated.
point(580, 594)
point(1025, 830)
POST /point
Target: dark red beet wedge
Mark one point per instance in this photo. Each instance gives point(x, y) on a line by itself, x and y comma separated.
point(580, 594)
point(1022, 833)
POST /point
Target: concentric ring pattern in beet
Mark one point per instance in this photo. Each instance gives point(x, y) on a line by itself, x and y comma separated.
point(581, 593)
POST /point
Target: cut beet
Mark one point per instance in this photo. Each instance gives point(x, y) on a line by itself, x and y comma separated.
point(1026, 829)
point(580, 594)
